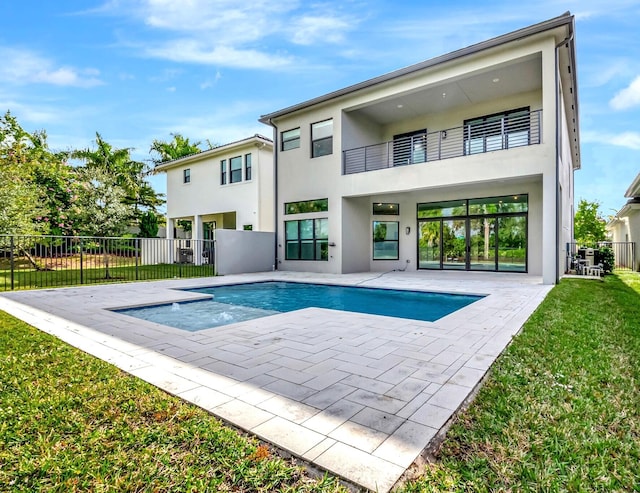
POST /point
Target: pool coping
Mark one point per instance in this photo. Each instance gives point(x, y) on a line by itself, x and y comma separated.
point(363, 403)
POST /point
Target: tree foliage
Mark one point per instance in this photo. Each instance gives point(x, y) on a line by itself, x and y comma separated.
point(589, 226)
point(148, 225)
point(178, 147)
point(104, 192)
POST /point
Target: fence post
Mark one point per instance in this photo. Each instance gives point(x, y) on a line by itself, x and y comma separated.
point(136, 245)
point(11, 261)
point(81, 266)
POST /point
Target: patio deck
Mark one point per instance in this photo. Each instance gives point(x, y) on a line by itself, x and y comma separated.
point(361, 396)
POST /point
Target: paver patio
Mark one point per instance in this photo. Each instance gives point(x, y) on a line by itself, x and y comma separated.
point(358, 395)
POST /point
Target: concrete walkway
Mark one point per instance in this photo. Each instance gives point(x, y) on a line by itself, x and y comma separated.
point(358, 395)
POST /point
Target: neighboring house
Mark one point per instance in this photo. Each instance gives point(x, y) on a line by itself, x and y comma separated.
point(461, 162)
point(625, 225)
point(227, 187)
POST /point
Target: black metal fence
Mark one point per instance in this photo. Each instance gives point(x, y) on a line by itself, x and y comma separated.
point(624, 253)
point(28, 262)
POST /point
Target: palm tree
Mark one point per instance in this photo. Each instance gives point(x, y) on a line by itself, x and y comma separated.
point(175, 149)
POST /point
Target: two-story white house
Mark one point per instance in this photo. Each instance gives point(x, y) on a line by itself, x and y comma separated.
point(227, 187)
point(461, 162)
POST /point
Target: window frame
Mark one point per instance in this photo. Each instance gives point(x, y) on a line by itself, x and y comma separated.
point(314, 141)
point(495, 125)
point(186, 175)
point(319, 243)
point(385, 240)
point(223, 172)
point(247, 166)
point(286, 144)
point(309, 203)
point(235, 175)
point(385, 209)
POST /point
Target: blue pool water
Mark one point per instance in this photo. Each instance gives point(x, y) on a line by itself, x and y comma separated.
point(240, 302)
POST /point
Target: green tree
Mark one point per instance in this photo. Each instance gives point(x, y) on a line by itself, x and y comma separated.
point(589, 226)
point(178, 147)
point(148, 225)
point(127, 174)
point(31, 177)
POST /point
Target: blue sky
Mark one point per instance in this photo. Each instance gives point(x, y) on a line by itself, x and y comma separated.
point(138, 70)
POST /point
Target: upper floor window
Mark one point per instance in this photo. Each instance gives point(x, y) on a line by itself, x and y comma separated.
point(322, 138)
point(235, 164)
point(386, 209)
point(290, 139)
point(497, 131)
point(319, 205)
point(186, 175)
point(247, 166)
point(223, 172)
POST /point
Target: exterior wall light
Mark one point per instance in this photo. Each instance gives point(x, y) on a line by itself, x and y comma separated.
point(407, 230)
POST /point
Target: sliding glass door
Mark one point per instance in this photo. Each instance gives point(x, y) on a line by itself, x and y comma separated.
point(488, 234)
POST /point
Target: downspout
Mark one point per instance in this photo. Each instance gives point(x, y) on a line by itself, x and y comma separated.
point(557, 178)
point(275, 192)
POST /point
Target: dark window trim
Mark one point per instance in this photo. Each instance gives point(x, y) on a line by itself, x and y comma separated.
point(248, 164)
point(233, 173)
point(373, 241)
point(467, 218)
point(300, 240)
point(283, 140)
point(286, 204)
point(483, 134)
point(186, 175)
point(323, 139)
point(397, 209)
point(223, 172)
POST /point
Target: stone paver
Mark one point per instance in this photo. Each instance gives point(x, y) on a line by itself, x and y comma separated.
point(358, 395)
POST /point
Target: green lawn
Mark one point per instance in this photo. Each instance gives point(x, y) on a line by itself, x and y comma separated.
point(559, 412)
point(561, 409)
point(32, 279)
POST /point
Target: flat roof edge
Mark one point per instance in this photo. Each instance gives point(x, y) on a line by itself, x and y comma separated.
point(562, 20)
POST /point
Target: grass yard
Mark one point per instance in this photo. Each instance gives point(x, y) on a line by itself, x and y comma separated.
point(561, 409)
point(560, 412)
point(26, 278)
point(70, 422)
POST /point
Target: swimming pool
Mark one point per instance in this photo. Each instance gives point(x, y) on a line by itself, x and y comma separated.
point(240, 302)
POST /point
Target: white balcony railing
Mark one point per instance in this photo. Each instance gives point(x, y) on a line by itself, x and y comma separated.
point(510, 131)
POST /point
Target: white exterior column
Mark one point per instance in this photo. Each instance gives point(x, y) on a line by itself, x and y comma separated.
point(170, 243)
point(197, 237)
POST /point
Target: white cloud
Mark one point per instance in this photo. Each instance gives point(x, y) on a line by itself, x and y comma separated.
point(311, 29)
point(189, 50)
point(627, 97)
point(24, 67)
point(629, 140)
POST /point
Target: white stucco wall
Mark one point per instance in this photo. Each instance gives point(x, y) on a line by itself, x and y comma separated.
point(204, 196)
point(238, 252)
point(530, 169)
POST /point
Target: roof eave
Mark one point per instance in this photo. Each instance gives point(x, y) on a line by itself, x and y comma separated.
point(257, 138)
point(565, 19)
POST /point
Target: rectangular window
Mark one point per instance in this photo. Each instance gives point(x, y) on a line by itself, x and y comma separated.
point(499, 205)
point(386, 209)
point(385, 240)
point(307, 239)
point(247, 166)
point(498, 131)
point(186, 176)
point(290, 139)
point(410, 148)
point(322, 138)
point(450, 208)
point(223, 172)
point(235, 164)
point(319, 205)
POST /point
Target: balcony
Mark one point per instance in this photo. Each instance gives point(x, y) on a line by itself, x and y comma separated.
point(516, 129)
